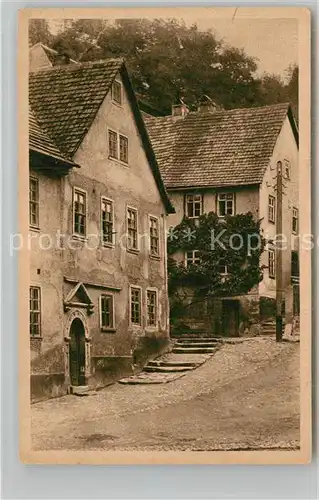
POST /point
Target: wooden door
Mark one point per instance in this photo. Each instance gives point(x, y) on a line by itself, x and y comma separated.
point(77, 353)
point(231, 318)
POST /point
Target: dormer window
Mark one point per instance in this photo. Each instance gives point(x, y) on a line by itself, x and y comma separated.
point(117, 92)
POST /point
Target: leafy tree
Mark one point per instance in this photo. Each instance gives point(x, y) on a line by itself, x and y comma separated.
point(235, 242)
point(39, 32)
point(168, 59)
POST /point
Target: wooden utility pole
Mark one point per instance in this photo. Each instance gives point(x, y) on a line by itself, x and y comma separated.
point(279, 291)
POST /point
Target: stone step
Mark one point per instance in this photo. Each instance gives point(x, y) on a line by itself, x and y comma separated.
point(167, 369)
point(79, 390)
point(172, 363)
point(195, 344)
point(194, 350)
point(197, 340)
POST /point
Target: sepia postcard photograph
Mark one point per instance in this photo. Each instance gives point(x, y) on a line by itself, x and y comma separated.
point(164, 235)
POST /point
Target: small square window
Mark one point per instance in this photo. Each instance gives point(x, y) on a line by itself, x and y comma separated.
point(132, 243)
point(287, 169)
point(117, 92)
point(192, 258)
point(272, 264)
point(107, 221)
point(33, 202)
point(154, 237)
point(193, 205)
point(225, 204)
point(79, 212)
point(151, 308)
point(271, 208)
point(135, 306)
point(113, 144)
point(295, 220)
point(107, 311)
point(35, 311)
point(123, 148)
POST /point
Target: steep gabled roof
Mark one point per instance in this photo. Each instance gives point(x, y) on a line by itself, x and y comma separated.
point(40, 142)
point(66, 99)
point(222, 148)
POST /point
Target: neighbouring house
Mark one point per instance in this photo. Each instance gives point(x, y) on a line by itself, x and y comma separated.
point(97, 208)
point(43, 57)
point(226, 162)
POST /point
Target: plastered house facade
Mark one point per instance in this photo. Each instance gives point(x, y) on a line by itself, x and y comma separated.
point(98, 207)
point(226, 162)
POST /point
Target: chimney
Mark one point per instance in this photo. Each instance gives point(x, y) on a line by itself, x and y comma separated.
point(180, 109)
point(207, 105)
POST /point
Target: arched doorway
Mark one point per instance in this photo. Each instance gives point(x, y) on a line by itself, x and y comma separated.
point(77, 352)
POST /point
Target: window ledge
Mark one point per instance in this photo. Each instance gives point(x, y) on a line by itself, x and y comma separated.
point(34, 228)
point(79, 237)
point(37, 339)
point(108, 245)
point(133, 250)
point(108, 330)
point(155, 257)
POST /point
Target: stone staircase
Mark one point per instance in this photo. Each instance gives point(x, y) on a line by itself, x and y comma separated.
point(188, 353)
point(269, 327)
point(195, 345)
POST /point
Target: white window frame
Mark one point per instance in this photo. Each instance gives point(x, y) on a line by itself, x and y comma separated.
point(193, 263)
point(37, 202)
point(272, 272)
point(137, 249)
point(135, 287)
point(152, 290)
point(219, 199)
point(125, 162)
point(118, 103)
point(39, 335)
point(271, 208)
point(150, 218)
point(117, 157)
point(80, 191)
point(102, 327)
point(287, 168)
point(104, 199)
point(295, 216)
point(194, 202)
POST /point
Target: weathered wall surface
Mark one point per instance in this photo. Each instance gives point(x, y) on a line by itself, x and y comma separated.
point(247, 199)
point(112, 354)
point(285, 149)
point(38, 59)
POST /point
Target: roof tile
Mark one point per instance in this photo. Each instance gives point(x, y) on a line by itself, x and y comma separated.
point(216, 149)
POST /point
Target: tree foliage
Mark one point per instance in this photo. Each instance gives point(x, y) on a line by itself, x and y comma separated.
point(167, 59)
point(39, 32)
point(235, 241)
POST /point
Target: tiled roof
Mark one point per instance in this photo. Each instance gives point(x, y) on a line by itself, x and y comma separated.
point(65, 99)
point(221, 148)
point(40, 142)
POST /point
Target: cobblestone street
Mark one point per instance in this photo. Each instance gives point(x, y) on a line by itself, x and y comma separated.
point(246, 396)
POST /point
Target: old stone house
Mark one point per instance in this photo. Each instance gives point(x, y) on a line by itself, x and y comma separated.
point(98, 206)
point(226, 162)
